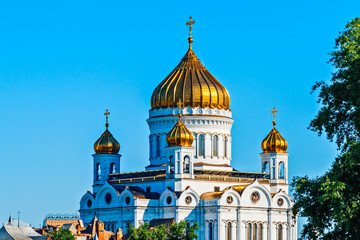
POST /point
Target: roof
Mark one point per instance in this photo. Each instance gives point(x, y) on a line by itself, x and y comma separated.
point(10, 232)
point(138, 192)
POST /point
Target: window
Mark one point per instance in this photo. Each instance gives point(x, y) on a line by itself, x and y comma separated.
point(151, 146)
point(249, 231)
point(266, 167)
point(158, 146)
point(273, 169)
point(281, 171)
point(211, 231)
point(215, 145)
point(201, 145)
point(260, 231)
point(112, 168)
point(225, 147)
point(255, 232)
point(280, 234)
point(228, 230)
point(98, 172)
point(186, 164)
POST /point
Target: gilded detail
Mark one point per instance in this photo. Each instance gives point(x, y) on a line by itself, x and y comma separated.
point(106, 144)
point(191, 82)
point(274, 142)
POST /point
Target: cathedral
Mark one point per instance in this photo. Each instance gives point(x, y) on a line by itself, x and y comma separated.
point(189, 176)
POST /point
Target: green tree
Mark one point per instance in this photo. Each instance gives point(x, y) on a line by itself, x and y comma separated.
point(182, 230)
point(63, 234)
point(339, 115)
point(331, 203)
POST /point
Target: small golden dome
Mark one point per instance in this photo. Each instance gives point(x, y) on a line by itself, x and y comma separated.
point(274, 142)
point(179, 135)
point(191, 82)
point(106, 144)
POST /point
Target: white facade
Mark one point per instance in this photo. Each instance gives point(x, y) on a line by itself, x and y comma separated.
point(182, 185)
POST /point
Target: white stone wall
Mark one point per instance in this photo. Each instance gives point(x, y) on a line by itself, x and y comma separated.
point(210, 123)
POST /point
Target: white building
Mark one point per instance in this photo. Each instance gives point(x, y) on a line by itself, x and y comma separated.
point(190, 175)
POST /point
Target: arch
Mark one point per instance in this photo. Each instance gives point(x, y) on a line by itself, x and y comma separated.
point(112, 168)
point(158, 145)
point(281, 170)
point(98, 171)
point(215, 145)
point(266, 168)
point(186, 164)
point(201, 145)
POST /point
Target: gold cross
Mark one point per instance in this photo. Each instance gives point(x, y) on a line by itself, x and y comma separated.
point(189, 23)
point(180, 105)
point(107, 113)
point(274, 111)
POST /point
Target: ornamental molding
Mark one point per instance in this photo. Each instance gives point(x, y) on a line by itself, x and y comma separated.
point(190, 111)
point(264, 223)
point(277, 224)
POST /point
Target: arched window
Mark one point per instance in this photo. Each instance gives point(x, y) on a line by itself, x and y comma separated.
point(280, 234)
point(228, 230)
point(201, 145)
point(255, 231)
point(260, 231)
point(225, 147)
point(151, 146)
point(158, 146)
point(281, 170)
point(98, 172)
point(266, 167)
point(171, 165)
point(112, 168)
point(273, 169)
point(249, 231)
point(211, 229)
point(186, 164)
point(215, 145)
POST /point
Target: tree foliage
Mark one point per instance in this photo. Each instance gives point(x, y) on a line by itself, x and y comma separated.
point(63, 234)
point(331, 202)
point(182, 230)
point(339, 116)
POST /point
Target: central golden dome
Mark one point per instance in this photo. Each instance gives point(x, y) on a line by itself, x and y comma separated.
point(193, 83)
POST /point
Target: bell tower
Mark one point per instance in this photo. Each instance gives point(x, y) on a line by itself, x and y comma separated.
point(180, 152)
point(106, 157)
point(274, 159)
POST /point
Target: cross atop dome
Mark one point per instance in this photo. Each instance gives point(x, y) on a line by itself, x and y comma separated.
point(190, 23)
point(274, 111)
point(107, 113)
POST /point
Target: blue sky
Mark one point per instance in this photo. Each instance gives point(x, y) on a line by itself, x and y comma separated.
point(63, 63)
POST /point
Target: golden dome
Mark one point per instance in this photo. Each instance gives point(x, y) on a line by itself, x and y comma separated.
point(274, 142)
point(106, 144)
point(191, 82)
point(179, 135)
